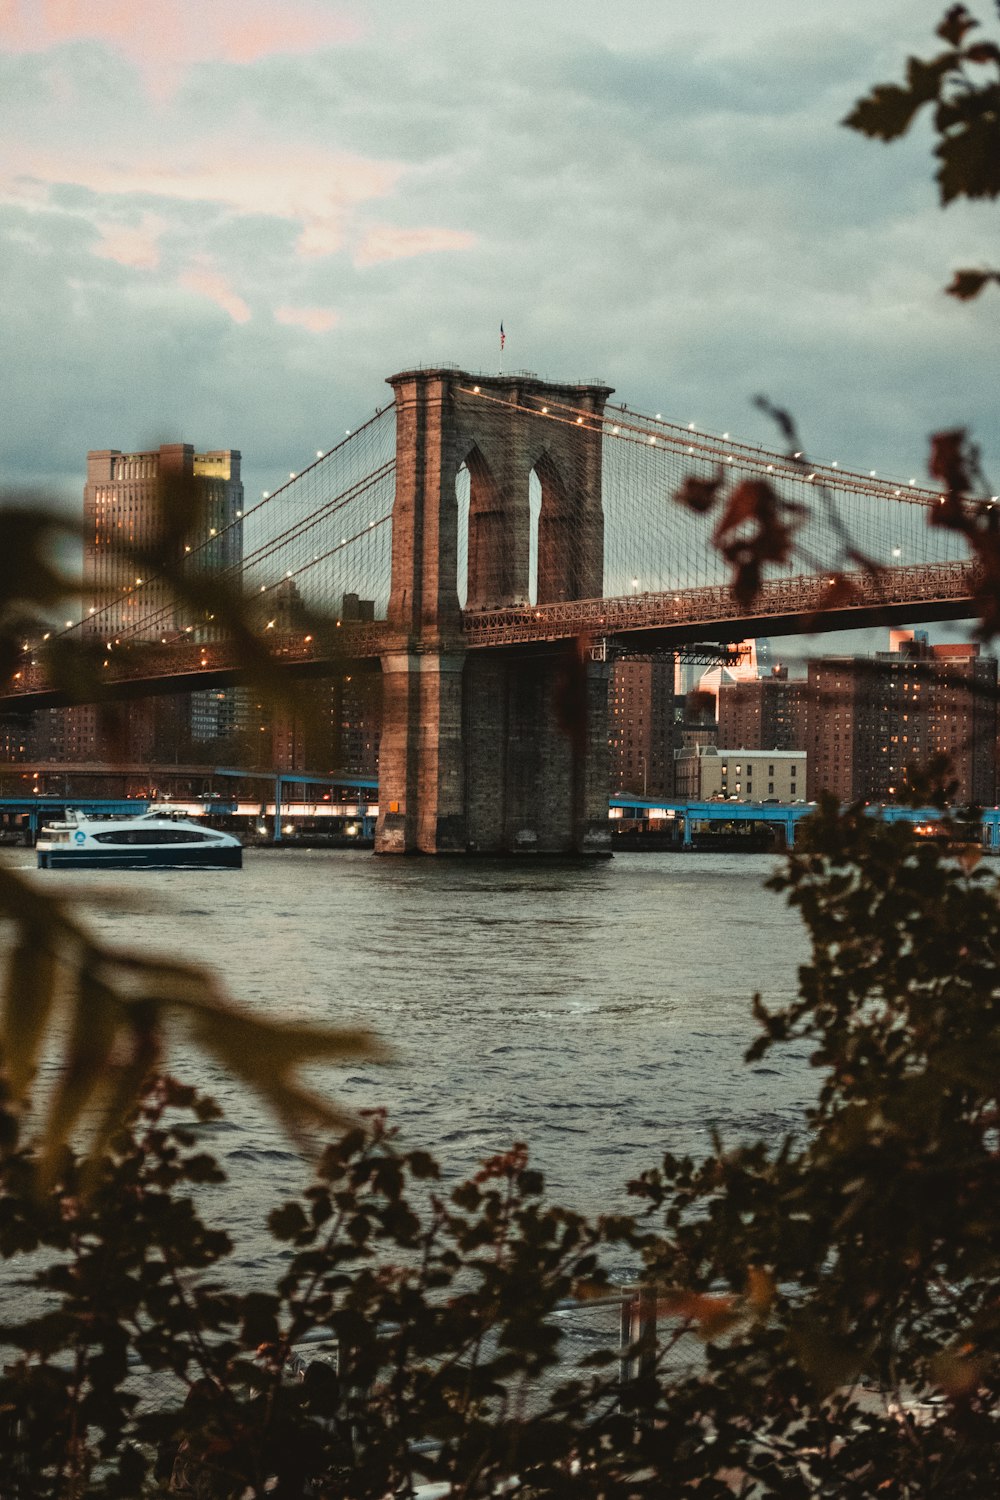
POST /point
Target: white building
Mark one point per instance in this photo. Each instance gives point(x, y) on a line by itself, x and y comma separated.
point(706, 772)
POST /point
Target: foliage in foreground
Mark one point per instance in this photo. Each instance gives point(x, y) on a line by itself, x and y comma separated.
point(828, 1313)
point(120, 1009)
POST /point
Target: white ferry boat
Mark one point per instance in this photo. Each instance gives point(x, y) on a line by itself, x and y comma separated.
point(155, 840)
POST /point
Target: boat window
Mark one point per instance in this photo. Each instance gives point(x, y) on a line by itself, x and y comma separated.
point(152, 836)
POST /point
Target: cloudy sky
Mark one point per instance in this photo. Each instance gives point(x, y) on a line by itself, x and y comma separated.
point(226, 221)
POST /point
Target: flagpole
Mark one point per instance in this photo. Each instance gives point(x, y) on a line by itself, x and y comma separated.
point(503, 340)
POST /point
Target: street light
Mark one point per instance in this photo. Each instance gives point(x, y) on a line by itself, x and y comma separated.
point(642, 761)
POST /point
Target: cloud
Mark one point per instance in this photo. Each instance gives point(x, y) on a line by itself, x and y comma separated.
point(134, 245)
point(315, 319)
point(667, 203)
point(316, 188)
point(383, 242)
point(206, 282)
point(166, 37)
point(309, 184)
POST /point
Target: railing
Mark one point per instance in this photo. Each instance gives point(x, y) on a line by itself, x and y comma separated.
point(140, 661)
point(808, 597)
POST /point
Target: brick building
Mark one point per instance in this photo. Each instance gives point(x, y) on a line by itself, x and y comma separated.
point(641, 726)
point(868, 718)
point(766, 713)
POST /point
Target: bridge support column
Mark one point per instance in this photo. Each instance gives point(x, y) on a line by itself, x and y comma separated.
point(421, 757)
point(536, 753)
point(500, 750)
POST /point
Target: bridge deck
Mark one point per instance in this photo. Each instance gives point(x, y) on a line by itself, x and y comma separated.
point(786, 606)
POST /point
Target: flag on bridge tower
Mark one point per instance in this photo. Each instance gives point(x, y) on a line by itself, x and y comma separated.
point(503, 338)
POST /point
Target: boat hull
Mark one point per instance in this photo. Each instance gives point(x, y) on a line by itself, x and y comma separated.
point(134, 857)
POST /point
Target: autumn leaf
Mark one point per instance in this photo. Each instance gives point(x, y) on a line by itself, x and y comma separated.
point(968, 284)
point(955, 24)
point(760, 1289)
point(947, 460)
point(959, 1371)
point(569, 694)
point(697, 494)
point(713, 1316)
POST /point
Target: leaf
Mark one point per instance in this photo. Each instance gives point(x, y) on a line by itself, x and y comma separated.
point(959, 1371)
point(841, 592)
point(267, 1056)
point(745, 503)
point(28, 999)
point(713, 1316)
point(967, 284)
point(970, 158)
point(698, 494)
point(570, 693)
point(969, 856)
point(95, 1021)
point(124, 1082)
point(886, 113)
point(760, 1289)
point(288, 1221)
point(983, 52)
point(956, 23)
point(947, 460)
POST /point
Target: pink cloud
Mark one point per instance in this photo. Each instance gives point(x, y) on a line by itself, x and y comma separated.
point(132, 244)
point(205, 282)
point(315, 319)
point(322, 237)
point(315, 188)
point(164, 37)
point(383, 242)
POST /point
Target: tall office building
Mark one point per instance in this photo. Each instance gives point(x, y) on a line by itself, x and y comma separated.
point(141, 501)
point(166, 498)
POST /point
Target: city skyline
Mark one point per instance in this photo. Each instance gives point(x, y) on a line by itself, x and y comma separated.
point(303, 203)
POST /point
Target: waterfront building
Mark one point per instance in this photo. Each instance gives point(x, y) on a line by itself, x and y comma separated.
point(641, 726)
point(868, 718)
point(764, 713)
point(15, 739)
point(706, 772)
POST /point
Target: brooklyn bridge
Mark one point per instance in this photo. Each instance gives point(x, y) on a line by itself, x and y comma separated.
point(489, 543)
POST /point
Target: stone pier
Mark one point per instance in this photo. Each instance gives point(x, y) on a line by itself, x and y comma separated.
point(500, 750)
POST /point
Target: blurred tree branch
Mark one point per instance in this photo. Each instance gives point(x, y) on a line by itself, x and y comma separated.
point(117, 1003)
point(960, 86)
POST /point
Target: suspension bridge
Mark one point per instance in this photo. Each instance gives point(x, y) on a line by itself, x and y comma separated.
point(466, 539)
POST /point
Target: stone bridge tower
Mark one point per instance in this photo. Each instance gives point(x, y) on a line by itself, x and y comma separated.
point(502, 749)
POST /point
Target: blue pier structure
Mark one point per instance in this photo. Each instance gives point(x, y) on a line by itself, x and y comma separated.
point(365, 788)
point(645, 811)
point(27, 812)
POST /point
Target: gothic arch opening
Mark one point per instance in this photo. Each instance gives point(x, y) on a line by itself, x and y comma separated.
point(558, 566)
point(488, 550)
point(534, 514)
point(462, 487)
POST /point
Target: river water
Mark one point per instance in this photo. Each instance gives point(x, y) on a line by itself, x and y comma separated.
point(598, 1011)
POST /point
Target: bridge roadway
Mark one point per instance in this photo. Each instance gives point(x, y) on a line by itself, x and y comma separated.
point(639, 622)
